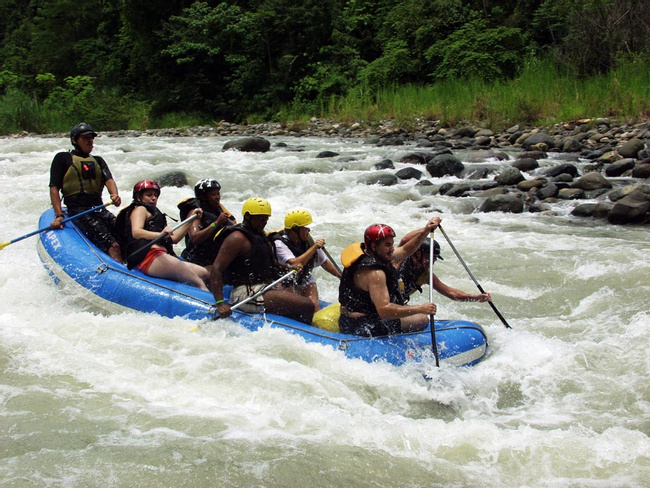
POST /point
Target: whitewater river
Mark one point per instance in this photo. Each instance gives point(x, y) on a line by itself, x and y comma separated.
point(90, 399)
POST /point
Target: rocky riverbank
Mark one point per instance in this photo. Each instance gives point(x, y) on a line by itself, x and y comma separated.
point(605, 163)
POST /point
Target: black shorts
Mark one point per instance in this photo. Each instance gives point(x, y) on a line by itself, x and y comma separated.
point(369, 327)
point(98, 226)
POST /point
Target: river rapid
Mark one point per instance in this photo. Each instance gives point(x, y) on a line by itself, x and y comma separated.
point(92, 399)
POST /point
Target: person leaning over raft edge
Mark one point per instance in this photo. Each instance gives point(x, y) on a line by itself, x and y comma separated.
point(82, 178)
point(200, 247)
point(371, 301)
point(414, 272)
point(140, 223)
point(246, 260)
point(292, 246)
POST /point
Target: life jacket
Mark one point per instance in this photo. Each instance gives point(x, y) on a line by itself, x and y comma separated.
point(412, 278)
point(202, 254)
point(357, 300)
point(257, 266)
point(129, 244)
point(297, 250)
point(83, 176)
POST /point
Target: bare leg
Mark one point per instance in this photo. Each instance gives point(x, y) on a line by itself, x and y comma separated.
point(172, 268)
point(311, 291)
point(415, 323)
point(115, 253)
point(289, 305)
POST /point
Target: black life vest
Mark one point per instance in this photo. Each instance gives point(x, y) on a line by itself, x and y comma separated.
point(297, 250)
point(129, 244)
point(356, 300)
point(202, 254)
point(257, 266)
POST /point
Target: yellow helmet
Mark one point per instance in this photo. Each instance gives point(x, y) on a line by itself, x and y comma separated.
point(256, 206)
point(297, 218)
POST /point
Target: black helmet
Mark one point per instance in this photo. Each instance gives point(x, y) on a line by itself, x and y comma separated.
point(425, 249)
point(80, 129)
point(205, 185)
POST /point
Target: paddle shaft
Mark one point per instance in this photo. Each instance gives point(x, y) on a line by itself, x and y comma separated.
point(480, 288)
point(68, 219)
point(162, 236)
point(432, 321)
point(310, 241)
point(263, 290)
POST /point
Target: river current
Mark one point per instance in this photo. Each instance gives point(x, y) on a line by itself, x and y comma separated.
point(93, 399)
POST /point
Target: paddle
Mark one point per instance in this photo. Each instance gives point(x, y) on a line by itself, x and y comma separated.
point(85, 212)
point(263, 290)
point(480, 288)
point(434, 345)
point(252, 297)
point(162, 236)
point(310, 241)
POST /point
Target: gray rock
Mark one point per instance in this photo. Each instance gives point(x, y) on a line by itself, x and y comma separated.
point(619, 167)
point(173, 178)
point(559, 169)
point(592, 181)
point(248, 144)
point(525, 164)
point(508, 203)
point(385, 164)
point(631, 148)
point(539, 138)
point(571, 194)
point(632, 208)
point(549, 191)
point(641, 171)
point(409, 174)
point(509, 176)
point(327, 154)
point(444, 164)
point(382, 179)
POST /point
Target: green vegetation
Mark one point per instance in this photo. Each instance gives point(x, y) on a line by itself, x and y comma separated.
point(122, 64)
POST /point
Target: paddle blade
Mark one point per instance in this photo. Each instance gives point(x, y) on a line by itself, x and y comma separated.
point(4, 244)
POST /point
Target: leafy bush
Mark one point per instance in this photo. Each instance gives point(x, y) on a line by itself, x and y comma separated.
point(475, 51)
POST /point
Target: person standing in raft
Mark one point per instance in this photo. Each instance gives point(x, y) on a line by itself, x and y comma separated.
point(199, 240)
point(140, 223)
point(246, 260)
point(371, 301)
point(82, 178)
point(295, 247)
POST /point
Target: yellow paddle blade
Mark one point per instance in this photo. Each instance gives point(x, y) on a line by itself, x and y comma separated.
point(4, 244)
point(350, 254)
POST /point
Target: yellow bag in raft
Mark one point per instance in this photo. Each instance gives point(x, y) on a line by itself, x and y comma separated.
point(328, 318)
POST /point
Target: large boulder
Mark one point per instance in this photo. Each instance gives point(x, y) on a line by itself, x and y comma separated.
point(559, 169)
point(248, 144)
point(409, 174)
point(173, 178)
point(619, 167)
point(525, 164)
point(632, 208)
point(631, 148)
point(508, 203)
point(538, 138)
point(592, 181)
point(443, 165)
point(509, 176)
point(382, 179)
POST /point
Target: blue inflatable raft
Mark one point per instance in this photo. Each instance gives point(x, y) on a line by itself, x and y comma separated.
point(72, 260)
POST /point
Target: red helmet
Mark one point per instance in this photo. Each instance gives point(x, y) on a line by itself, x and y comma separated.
point(143, 185)
point(377, 232)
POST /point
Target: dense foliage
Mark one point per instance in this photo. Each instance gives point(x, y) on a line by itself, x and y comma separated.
point(127, 63)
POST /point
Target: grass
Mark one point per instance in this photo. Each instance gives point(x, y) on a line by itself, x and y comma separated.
point(541, 95)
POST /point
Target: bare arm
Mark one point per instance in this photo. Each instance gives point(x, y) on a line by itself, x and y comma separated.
point(111, 186)
point(411, 241)
point(199, 236)
point(456, 294)
point(55, 198)
point(375, 281)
